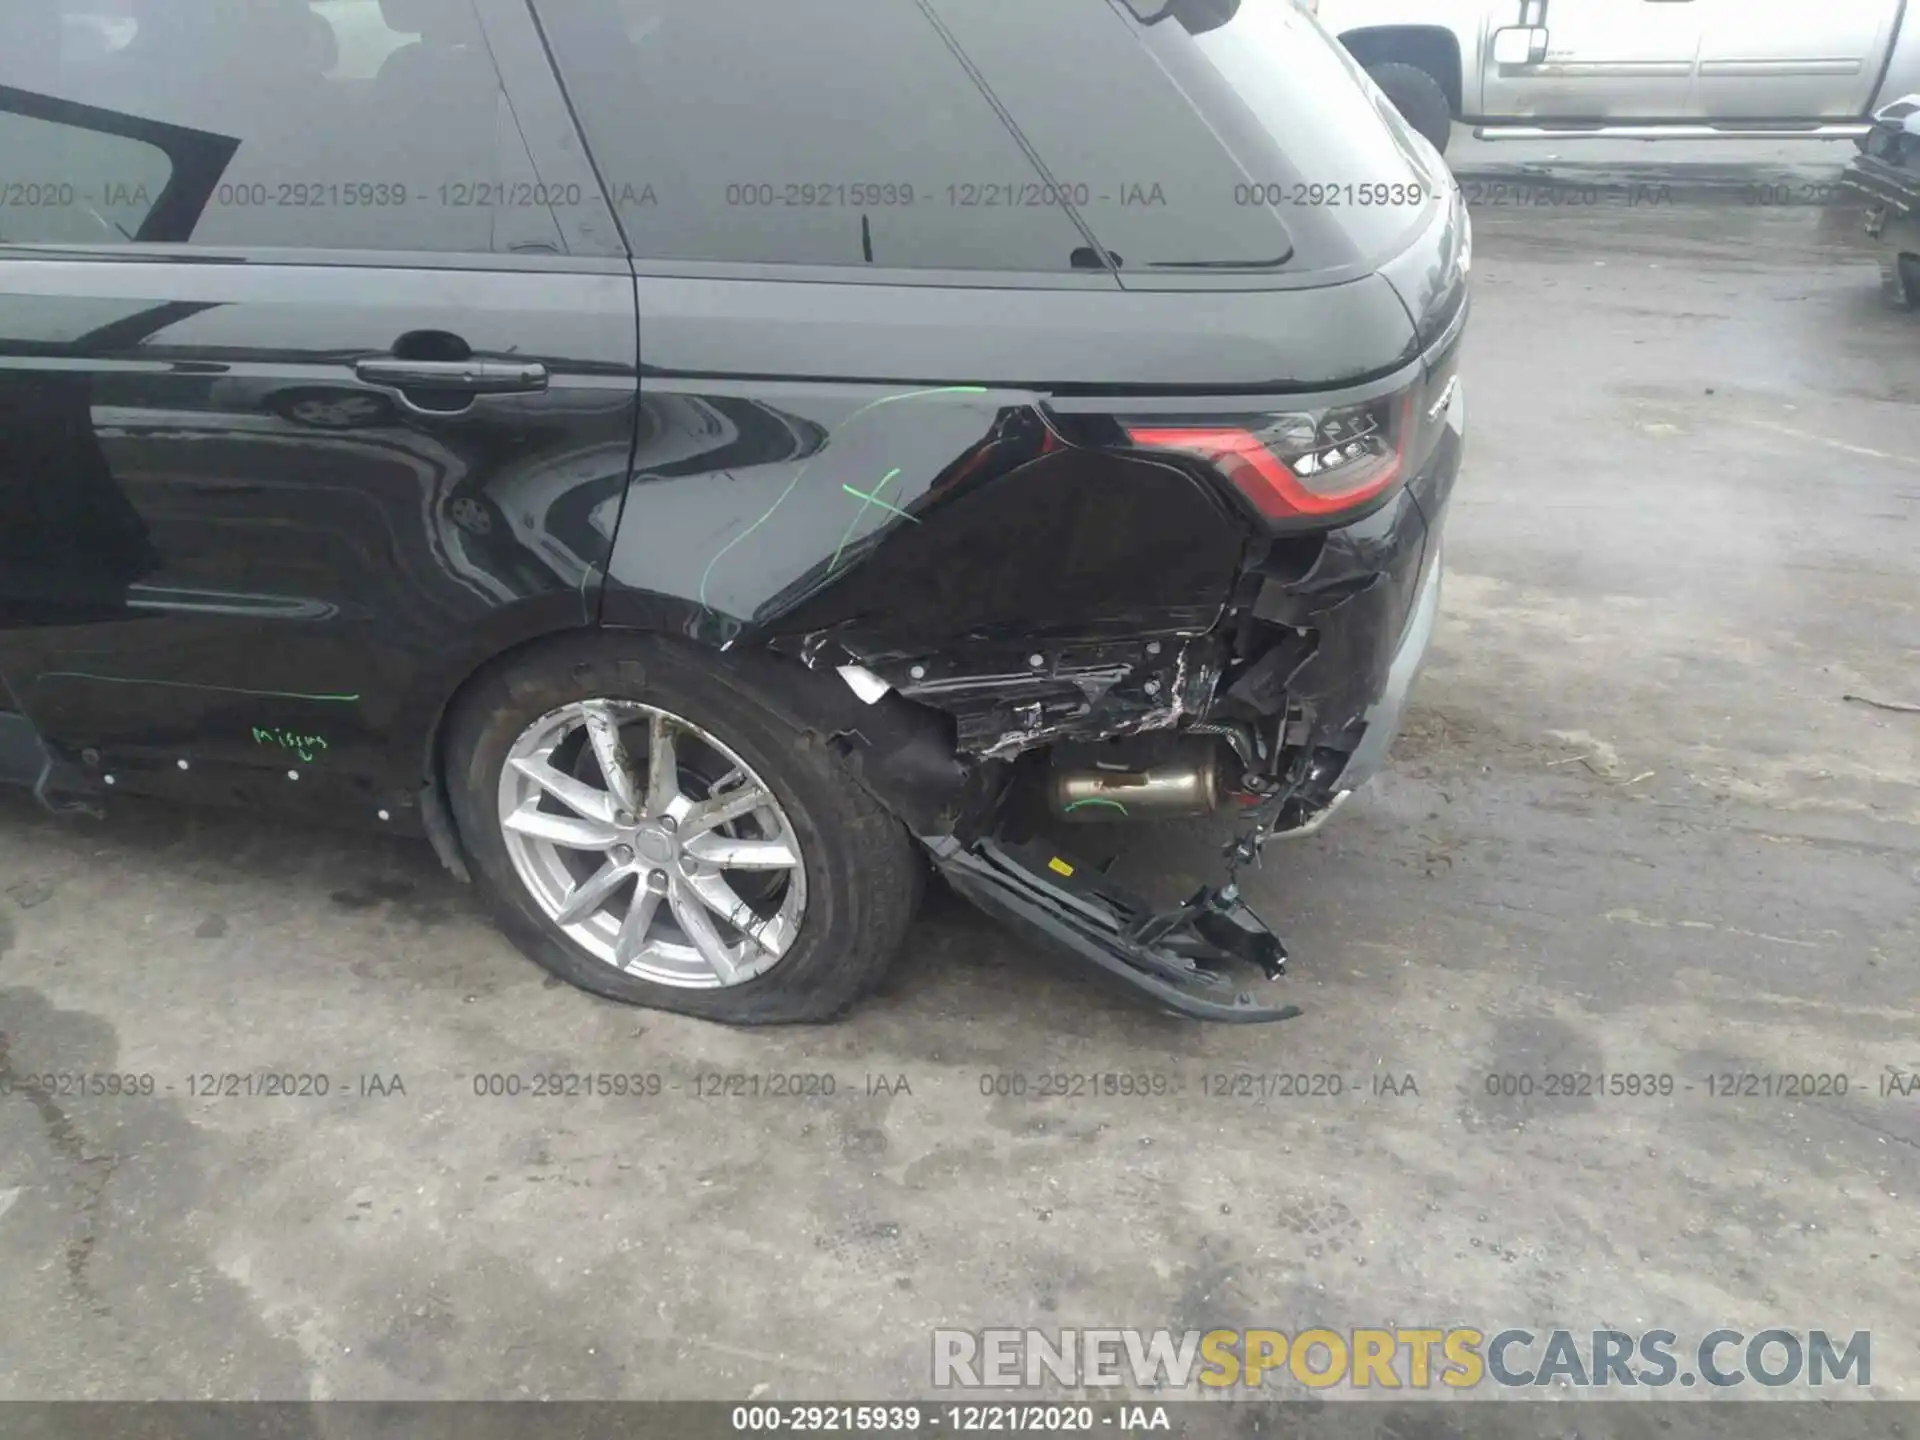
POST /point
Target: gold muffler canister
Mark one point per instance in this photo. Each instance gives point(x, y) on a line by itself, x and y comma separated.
point(1188, 784)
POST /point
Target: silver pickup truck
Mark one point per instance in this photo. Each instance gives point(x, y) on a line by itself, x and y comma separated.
point(1640, 69)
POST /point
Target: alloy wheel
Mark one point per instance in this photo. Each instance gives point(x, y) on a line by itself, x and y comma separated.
point(652, 845)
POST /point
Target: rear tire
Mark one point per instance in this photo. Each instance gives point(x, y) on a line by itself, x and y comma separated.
point(1419, 98)
point(859, 868)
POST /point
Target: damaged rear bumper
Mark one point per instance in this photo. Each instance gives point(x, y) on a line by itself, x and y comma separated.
point(1284, 661)
point(1386, 715)
point(1302, 681)
point(1212, 957)
point(1195, 959)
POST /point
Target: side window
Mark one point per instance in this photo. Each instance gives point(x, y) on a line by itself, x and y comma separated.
point(350, 124)
point(809, 132)
point(363, 43)
point(63, 184)
point(1153, 177)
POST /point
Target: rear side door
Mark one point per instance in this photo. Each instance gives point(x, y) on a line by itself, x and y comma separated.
point(317, 379)
point(1794, 59)
point(1605, 60)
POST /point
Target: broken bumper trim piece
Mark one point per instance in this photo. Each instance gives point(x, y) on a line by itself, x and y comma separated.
point(1385, 717)
point(1181, 958)
point(1317, 822)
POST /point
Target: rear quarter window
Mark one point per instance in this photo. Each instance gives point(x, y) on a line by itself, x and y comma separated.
point(1202, 146)
point(842, 133)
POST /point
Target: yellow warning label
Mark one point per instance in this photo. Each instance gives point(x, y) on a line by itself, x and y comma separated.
point(1059, 866)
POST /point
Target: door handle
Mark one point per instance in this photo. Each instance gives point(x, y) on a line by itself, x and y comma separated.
point(467, 377)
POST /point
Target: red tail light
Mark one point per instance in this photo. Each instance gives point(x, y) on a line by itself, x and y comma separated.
point(1300, 465)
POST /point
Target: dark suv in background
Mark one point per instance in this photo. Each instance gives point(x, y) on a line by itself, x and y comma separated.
point(696, 459)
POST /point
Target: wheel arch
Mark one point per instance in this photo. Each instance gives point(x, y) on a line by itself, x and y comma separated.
point(902, 751)
point(437, 694)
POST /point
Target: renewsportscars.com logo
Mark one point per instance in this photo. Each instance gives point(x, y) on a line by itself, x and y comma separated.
point(1396, 1359)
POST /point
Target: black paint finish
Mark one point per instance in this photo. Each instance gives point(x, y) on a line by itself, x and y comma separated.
point(246, 540)
point(237, 563)
point(213, 531)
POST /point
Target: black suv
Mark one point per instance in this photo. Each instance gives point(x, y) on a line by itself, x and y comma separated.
point(697, 461)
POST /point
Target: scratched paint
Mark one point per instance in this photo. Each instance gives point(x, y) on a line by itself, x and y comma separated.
point(866, 499)
point(192, 685)
point(839, 434)
point(305, 746)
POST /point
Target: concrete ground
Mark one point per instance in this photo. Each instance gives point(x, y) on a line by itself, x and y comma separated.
point(1635, 826)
